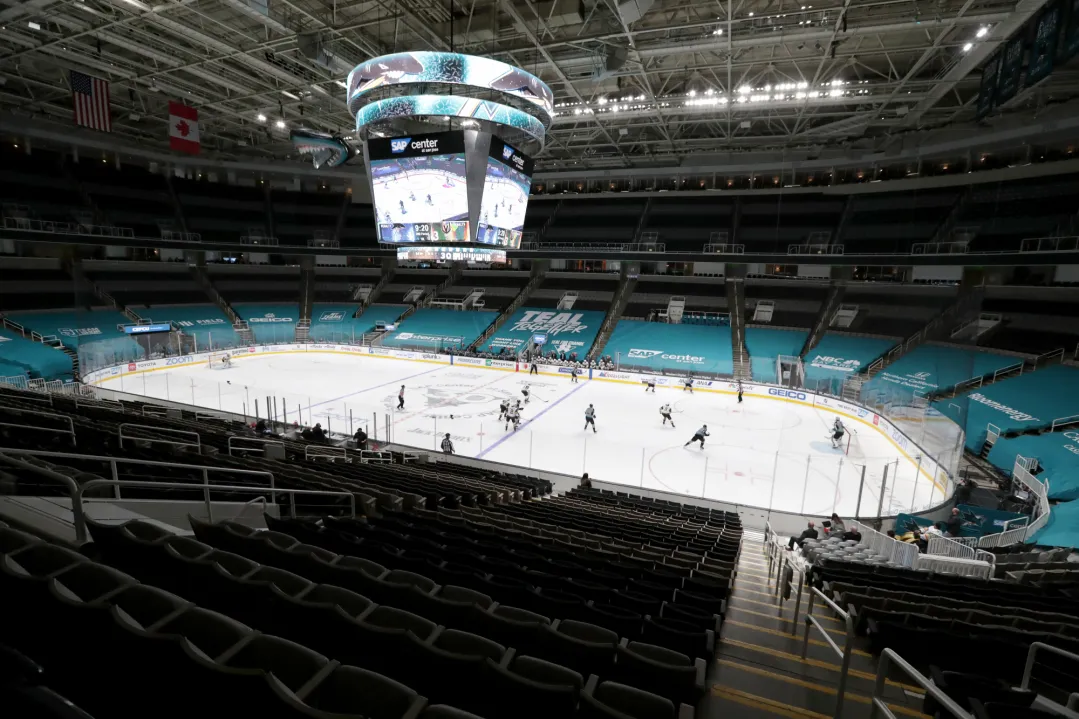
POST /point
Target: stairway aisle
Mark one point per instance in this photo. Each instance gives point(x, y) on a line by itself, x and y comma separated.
point(759, 672)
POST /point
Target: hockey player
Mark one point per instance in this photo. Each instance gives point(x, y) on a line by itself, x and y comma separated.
point(590, 418)
point(665, 410)
point(698, 436)
point(525, 393)
point(650, 384)
point(447, 444)
point(688, 385)
point(402, 204)
point(838, 430)
point(533, 367)
point(739, 391)
point(574, 373)
point(513, 416)
point(429, 200)
point(401, 398)
point(226, 360)
point(504, 408)
point(412, 196)
point(386, 216)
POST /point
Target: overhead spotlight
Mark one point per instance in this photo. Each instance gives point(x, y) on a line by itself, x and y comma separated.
point(261, 117)
point(983, 31)
point(968, 47)
point(280, 124)
point(718, 31)
point(751, 14)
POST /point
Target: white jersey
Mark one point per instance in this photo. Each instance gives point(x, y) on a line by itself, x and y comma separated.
point(665, 409)
point(590, 413)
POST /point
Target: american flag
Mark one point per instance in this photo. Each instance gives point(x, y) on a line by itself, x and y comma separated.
point(91, 99)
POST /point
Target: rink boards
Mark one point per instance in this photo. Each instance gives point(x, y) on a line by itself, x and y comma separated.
point(926, 465)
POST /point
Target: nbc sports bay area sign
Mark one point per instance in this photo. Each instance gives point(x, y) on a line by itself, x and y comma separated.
point(835, 364)
point(565, 331)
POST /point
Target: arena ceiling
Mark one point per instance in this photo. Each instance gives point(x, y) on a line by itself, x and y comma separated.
point(638, 83)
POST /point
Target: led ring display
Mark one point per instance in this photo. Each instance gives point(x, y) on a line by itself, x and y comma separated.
point(408, 68)
point(451, 106)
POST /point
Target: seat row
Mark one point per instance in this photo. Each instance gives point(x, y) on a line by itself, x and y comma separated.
point(482, 670)
point(624, 499)
point(985, 615)
point(25, 690)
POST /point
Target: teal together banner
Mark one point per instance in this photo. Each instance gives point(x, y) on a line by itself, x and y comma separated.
point(564, 331)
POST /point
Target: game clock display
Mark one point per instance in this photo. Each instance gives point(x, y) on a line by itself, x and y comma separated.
point(419, 189)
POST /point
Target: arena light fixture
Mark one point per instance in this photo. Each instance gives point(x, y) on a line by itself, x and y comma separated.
point(983, 31)
point(968, 47)
point(261, 117)
point(280, 124)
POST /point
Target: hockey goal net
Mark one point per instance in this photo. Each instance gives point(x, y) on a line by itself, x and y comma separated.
point(851, 447)
point(220, 360)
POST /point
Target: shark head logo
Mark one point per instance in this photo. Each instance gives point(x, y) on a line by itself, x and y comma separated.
point(399, 145)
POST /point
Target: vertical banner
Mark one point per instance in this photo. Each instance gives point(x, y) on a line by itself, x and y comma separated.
point(1043, 49)
point(1011, 69)
point(987, 89)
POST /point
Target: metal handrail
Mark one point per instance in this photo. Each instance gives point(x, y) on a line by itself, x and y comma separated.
point(67, 418)
point(81, 491)
point(1028, 669)
point(887, 658)
point(234, 438)
point(114, 461)
point(848, 644)
point(197, 443)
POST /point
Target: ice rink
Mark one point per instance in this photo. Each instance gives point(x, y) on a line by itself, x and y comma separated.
point(764, 452)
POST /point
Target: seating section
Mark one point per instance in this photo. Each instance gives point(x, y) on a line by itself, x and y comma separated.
point(653, 293)
point(94, 334)
point(773, 223)
point(1031, 401)
point(1035, 320)
point(765, 345)
point(569, 331)
point(206, 323)
point(896, 221)
point(896, 310)
point(838, 355)
point(131, 197)
point(595, 221)
point(980, 627)
point(337, 284)
point(30, 283)
point(1006, 214)
point(796, 302)
point(335, 323)
point(1057, 454)
point(666, 348)
point(594, 290)
point(138, 285)
point(1062, 530)
point(298, 216)
point(220, 212)
point(930, 367)
point(437, 329)
point(21, 355)
point(248, 283)
point(686, 226)
point(270, 323)
point(404, 281)
point(35, 187)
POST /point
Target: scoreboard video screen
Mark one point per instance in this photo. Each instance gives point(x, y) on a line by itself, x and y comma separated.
point(505, 196)
point(419, 189)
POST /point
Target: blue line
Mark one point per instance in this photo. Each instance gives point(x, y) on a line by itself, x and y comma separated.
point(554, 404)
point(392, 381)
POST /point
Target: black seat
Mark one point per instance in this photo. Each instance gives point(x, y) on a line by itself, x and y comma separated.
point(351, 690)
point(609, 700)
point(531, 688)
point(661, 671)
point(582, 647)
point(513, 627)
point(451, 665)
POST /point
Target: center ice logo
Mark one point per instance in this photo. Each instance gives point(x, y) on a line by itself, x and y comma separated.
point(643, 354)
point(399, 145)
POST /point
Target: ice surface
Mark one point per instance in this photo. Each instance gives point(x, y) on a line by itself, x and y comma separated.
point(763, 453)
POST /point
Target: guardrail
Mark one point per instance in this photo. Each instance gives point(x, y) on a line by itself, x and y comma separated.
point(1028, 669)
point(114, 462)
point(153, 440)
point(25, 224)
point(81, 492)
point(70, 431)
point(234, 442)
point(888, 657)
point(844, 653)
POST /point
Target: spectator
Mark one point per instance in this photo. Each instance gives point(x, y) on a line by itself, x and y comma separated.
point(955, 524)
point(260, 427)
point(361, 438)
point(318, 434)
point(852, 535)
point(809, 533)
point(586, 483)
point(837, 528)
point(307, 434)
point(964, 492)
point(447, 444)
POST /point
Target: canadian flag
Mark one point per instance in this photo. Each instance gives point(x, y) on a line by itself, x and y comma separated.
point(183, 128)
